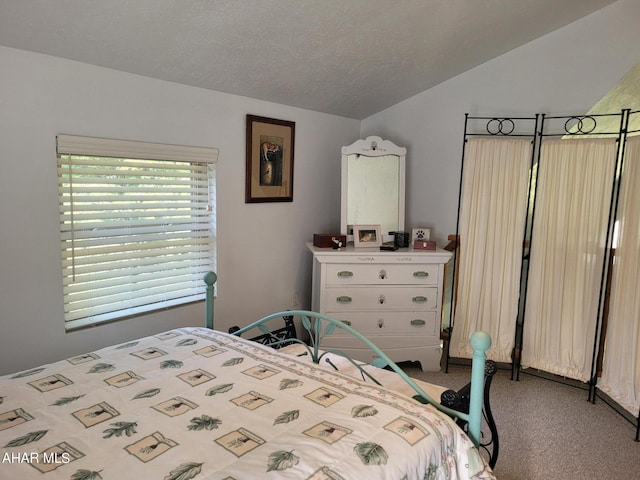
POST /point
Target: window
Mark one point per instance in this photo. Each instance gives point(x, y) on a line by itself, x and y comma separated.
point(137, 226)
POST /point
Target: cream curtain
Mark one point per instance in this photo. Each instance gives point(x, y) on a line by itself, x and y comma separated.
point(491, 227)
point(572, 208)
point(621, 367)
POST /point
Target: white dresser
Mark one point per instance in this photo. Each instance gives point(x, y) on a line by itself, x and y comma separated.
point(392, 298)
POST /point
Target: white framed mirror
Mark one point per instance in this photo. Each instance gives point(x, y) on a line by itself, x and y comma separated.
point(373, 186)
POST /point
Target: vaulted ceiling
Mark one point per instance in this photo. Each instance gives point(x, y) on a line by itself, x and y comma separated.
point(351, 58)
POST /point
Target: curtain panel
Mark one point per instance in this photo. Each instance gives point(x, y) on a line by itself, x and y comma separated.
point(568, 243)
point(491, 228)
point(621, 366)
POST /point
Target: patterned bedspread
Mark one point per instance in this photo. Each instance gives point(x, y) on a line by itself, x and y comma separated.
point(196, 403)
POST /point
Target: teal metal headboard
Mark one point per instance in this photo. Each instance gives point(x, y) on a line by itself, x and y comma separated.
point(318, 326)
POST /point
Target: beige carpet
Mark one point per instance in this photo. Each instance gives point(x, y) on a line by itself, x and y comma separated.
point(550, 431)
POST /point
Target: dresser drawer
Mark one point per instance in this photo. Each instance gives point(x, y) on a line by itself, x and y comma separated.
point(348, 298)
point(369, 324)
point(381, 274)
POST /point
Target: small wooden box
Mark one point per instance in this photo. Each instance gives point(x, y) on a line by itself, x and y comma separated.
point(329, 240)
point(424, 245)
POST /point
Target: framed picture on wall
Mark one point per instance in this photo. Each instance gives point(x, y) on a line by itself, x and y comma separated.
point(270, 153)
point(367, 236)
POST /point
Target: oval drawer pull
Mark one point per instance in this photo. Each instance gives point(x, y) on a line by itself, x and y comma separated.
point(345, 274)
point(421, 274)
point(419, 299)
point(343, 299)
point(418, 322)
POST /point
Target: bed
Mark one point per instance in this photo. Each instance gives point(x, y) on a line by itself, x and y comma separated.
point(199, 403)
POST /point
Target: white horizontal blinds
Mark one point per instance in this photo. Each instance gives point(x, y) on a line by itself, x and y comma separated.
point(107, 147)
point(137, 233)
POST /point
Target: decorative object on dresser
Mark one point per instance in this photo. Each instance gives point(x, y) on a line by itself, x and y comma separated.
point(392, 297)
point(420, 234)
point(424, 245)
point(329, 240)
point(400, 239)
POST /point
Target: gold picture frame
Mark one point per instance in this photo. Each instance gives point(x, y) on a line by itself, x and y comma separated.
point(269, 162)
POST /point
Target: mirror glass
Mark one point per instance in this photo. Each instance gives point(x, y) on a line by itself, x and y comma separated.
point(373, 185)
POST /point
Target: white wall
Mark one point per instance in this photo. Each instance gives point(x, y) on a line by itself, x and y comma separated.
point(262, 258)
point(563, 73)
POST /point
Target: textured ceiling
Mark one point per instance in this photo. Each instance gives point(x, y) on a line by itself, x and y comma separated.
point(351, 58)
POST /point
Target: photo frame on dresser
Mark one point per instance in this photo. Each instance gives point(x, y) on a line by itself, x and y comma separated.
point(367, 236)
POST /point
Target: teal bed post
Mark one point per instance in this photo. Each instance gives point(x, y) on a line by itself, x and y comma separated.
point(210, 279)
point(480, 342)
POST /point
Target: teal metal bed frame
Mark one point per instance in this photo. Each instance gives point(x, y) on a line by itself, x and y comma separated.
point(468, 402)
